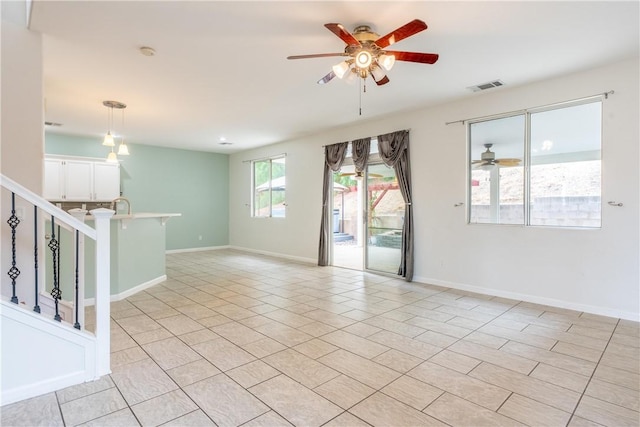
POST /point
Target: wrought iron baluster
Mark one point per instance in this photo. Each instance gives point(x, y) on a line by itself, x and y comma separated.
point(77, 324)
point(36, 307)
point(13, 273)
point(56, 294)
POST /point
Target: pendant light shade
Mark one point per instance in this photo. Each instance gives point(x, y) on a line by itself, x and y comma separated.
point(108, 140)
point(112, 158)
point(123, 150)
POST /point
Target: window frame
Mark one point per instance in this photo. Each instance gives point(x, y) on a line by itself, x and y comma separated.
point(526, 163)
point(254, 195)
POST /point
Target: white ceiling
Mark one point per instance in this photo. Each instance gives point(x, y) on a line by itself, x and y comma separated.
point(220, 68)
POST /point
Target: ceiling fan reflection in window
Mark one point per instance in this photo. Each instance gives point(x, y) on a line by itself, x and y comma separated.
point(366, 55)
point(488, 158)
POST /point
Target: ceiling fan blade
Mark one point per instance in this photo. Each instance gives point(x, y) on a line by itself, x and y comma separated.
point(316, 55)
point(407, 30)
point(382, 81)
point(327, 78)
point(340, 31)
point(508, 162)
point(424, 58)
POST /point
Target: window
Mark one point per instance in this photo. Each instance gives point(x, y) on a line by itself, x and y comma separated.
point(541, 167)
point(268, 188)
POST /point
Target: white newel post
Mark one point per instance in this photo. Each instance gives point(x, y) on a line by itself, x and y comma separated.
point(80, 214)
point(103, 289)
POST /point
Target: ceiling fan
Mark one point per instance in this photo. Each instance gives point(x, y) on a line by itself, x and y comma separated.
point(366, 54)
point(488, 158)
point(360, 175)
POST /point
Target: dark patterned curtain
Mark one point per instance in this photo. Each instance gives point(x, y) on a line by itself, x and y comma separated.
point(333, 158)
point(360, 153)
point(394, 152)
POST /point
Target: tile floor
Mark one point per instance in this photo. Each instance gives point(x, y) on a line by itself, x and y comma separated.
point(237, 339)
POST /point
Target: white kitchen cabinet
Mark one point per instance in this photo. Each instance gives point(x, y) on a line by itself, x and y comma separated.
point(53, 179)
point(106, 181)
point(81, 180)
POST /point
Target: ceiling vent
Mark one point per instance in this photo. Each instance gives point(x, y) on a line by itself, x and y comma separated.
point(485, 86)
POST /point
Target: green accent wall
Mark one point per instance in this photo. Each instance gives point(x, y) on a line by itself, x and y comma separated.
point(167, 180)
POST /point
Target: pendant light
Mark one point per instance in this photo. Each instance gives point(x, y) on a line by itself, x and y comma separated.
point(108, 139)
point(123, 150)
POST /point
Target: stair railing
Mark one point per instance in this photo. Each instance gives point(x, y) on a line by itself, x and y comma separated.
point(59, 219)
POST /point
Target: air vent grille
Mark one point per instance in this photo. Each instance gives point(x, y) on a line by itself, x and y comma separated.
point(485, 86)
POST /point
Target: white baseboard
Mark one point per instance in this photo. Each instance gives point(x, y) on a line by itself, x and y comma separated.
point(275, 255)
point(42, 387)
point(602, 311)
point(129, 292)
point(208, 248)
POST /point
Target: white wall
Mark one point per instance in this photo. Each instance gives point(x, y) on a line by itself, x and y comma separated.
point(589, 270)
point(22, 144)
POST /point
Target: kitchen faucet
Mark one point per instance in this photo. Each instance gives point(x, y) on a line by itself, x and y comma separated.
point(120, 199)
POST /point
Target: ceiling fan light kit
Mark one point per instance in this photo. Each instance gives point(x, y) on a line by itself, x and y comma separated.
point(366, 54)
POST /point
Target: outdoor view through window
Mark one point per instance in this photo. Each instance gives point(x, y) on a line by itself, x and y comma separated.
point(268, 188)
point(556, 181)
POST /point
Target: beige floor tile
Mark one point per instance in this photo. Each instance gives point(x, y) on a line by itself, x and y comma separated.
point(346, 420)
point(618, 395)
point(123, 417)
point(192, 372)
point(568, 363)
point(497, 357)
point(382, 410)
point(252, 373)
point(331, 319)
point(405, 344)
point(629, 364)
point(171, 353)
point(412, 392)
point(398, 361)
point(284, 334)
point(196, 311)
point(224, 401)
point(233, 311)
point(533, 413)
point(163, 408)
point(141, 380)
point(120, 340)
point(436, 338)
point(606, 413)
point(223, 354)
point(544, 392)
point(344, 391)
point(486, 340)
point(590, 332)
point(316, 329)
point(210, 322)
point(408, 329)
point(464, 386)
point(560, 377)
point(566, 337)
point(456, 361)
point(617, 376)
point(577, 421)
point(151, 336)
point(180, 324)
point(197, 337)
point(443, 328)
point(92, 406)
point(577, 351)
point(77, 391)
point(363, 370)
point(270, 419)
point(167, 312)
point(37, 411)
point(301, 368)
point(138, 324)
point(129, 355)
point(527, 336)
point(192, 419)
point(237, 333)
point(263, 347)
point(361, 329)
point(355, 344)
point(460, 412)
point(624, 349)
point(296, 403)
point(315, 348)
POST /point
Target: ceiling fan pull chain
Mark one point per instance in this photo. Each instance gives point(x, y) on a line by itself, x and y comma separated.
point(360, 98)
